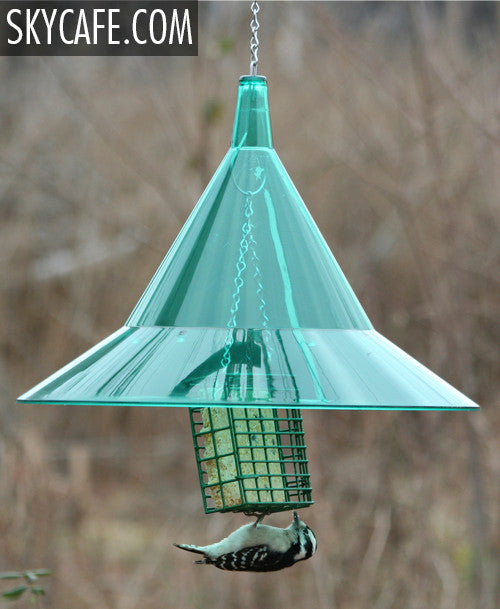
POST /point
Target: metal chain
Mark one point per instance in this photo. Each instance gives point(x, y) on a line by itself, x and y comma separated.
point(241, 265)
point(247, 243)
point(254, 41)
point(258, 277)
point(260, 296)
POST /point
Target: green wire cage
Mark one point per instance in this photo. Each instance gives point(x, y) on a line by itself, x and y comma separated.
point(251, 460)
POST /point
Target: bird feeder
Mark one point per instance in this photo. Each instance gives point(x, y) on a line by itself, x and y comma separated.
point(249, 319)
point(251, 459)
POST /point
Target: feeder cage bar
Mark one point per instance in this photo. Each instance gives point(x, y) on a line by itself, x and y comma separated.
point(251, 459)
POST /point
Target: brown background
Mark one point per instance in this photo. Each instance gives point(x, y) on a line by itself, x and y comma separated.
point(387, 117)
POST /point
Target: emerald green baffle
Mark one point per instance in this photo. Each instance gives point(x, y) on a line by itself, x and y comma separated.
point(249, 307)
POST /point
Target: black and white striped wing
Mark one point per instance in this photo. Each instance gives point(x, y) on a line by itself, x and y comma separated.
point(255, 558)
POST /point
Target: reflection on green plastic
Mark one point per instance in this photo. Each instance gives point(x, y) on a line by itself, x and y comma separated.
point(249, 307)
point(302, 368)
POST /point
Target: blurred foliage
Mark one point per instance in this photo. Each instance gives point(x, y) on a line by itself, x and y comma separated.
point(213, 111)
point(30, 578)
point(227, 44)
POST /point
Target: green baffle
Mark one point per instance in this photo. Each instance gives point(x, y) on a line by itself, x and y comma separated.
point(249, 308)
point(251, 459)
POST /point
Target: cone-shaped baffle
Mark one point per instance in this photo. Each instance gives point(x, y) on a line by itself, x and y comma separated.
point(249, 307)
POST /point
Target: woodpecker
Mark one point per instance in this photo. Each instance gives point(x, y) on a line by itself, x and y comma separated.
point(258, 547)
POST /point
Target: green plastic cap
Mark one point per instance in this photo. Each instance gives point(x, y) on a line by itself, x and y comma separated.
point(252, 123)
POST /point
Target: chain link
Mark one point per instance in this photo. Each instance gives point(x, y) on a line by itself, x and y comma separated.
point(254, 41)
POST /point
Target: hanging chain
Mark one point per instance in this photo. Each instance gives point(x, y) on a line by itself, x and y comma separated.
point(260, 295)
point(248, 245)
point(254, 41)
point(258, 277)
point(241, 265)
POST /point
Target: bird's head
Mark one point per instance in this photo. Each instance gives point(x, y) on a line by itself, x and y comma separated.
point(306, 539)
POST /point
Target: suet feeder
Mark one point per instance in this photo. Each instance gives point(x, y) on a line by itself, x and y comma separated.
point(251, 459)
point(248, 319)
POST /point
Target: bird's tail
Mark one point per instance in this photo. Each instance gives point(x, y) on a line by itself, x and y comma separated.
point(189, 548)
point(196, 549)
